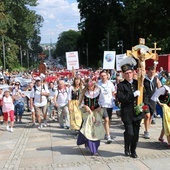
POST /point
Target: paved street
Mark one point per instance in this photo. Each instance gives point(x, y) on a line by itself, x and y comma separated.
point(53, 148)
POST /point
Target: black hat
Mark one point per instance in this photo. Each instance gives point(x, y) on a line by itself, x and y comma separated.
point(126, 67)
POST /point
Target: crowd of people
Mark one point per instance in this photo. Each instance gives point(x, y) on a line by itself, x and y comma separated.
point(85, 102)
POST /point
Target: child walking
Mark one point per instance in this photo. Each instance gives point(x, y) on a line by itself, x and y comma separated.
point(8, 110)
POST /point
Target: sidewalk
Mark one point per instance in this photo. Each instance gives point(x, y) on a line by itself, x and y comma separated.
point(53, 148)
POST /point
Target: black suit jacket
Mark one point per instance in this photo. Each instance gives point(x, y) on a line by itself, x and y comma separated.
point(126, 98)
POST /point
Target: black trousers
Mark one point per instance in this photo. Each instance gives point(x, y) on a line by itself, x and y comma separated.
point(131, 135)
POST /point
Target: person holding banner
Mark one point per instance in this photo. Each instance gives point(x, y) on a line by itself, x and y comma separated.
point(74, 95)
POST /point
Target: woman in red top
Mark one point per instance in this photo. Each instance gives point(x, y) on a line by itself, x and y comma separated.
point(8, 110)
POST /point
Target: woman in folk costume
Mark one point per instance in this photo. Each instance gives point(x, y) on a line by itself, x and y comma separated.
point(92, 129)
point(162, 96)
point(73, 105)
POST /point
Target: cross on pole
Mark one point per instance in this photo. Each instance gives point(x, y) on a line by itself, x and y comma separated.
point(155, 48)
point(142, 53)
point(42, 56)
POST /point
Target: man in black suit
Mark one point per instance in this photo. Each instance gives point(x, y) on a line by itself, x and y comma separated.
point(127, 95)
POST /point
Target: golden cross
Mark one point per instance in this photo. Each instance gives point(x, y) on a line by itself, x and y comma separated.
point(42, 56)
point(142, 53)
point(155, 49)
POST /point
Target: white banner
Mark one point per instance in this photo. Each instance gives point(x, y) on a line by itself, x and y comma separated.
point(72, 60)
point(119, 58)
point(27, 93)
point(23, 81)
point(109, 60)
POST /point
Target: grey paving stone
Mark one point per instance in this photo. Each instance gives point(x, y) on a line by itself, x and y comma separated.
point(54, 148)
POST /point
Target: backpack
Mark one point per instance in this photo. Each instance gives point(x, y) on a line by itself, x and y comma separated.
point(35, 89)
point(65, 91)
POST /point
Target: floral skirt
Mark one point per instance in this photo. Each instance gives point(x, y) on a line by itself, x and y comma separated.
point(166, 119)
point(92, 130)
point(75, 115)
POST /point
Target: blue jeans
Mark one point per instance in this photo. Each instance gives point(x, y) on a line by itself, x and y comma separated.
point(19, 107)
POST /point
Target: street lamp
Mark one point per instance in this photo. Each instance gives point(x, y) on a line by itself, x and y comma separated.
point(120, 44)
point(25, 54)
point(87, 53)
point(28, 59)
point(3, 47)
point(21, 54)
point(108, 41)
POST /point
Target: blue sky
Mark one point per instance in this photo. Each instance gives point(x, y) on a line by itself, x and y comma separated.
point(59, 16)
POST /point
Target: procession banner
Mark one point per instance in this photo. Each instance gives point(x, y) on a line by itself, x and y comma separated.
point(119, 58)
point(109, 60)
point(72, 60)
point(23, 81)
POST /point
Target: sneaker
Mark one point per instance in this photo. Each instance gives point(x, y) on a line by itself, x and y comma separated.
point(45, 124)
point(109, 140)
point(7, 128)
point(146, 135)
point(40, 127)
point(20, 122)
point(62, 126)
point(1, 122)
point(106, 137)
point(67, 127)
point(33, 124)
point(153, 122)
point(12, 130)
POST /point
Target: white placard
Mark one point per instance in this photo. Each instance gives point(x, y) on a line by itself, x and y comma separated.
point(109, 60)
point(72, 60)
point(119, 58)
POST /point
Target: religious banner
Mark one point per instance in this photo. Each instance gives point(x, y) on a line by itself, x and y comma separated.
point(119, 58)
point(109, 60)
point(72, 60)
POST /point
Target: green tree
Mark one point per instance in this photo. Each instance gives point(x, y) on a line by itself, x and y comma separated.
point(67, 41)
point(18, 25)
point(105, 22)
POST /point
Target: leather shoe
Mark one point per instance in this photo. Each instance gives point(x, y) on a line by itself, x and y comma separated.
point(134, 155)
point(127, 153)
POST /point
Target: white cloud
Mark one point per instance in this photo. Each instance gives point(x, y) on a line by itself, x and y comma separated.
point(59, 16)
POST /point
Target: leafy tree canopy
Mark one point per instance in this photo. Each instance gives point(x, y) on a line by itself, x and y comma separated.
point(105, 22)
point(19, 26)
